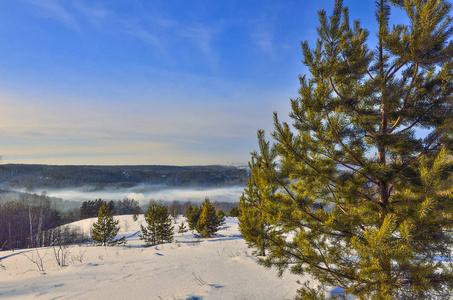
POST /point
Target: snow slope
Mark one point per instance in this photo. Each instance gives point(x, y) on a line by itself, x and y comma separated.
point(189, 268)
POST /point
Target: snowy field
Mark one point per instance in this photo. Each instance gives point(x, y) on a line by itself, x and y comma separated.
point(221, 267)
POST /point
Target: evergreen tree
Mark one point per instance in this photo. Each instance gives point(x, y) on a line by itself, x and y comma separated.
point(105, 229)
point(159, 228)
point(182, 228)
point(208, 223)
point(220, 214)
point(362, 202)
point(253, 222)
point(193, 214)
point(234, 212)
point(90, 209)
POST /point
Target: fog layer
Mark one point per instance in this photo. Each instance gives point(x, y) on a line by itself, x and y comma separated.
point(143, 194)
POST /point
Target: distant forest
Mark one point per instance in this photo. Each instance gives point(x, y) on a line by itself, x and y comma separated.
point(31, 220)
point(98, 177)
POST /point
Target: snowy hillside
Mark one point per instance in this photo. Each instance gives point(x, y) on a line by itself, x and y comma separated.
point(189, 268)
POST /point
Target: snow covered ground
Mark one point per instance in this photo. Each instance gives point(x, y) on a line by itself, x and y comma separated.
point(221, 267)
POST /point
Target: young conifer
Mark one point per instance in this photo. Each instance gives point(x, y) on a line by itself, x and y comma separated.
point(253, 221)
point(208, 223)
point(234, 212)
point(159, 227)
point(364, 202)
point(105, 229)
point(193, 214)
point(182, 228)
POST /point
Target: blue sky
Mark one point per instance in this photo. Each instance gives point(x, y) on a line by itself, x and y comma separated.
point(149, 82)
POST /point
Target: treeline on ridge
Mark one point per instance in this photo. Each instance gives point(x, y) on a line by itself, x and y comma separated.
point(90, 208)
point(98, 177)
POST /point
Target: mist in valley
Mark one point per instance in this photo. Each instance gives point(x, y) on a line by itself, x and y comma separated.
point(145, 193)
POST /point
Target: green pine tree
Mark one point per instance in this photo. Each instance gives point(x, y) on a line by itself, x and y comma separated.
point(105, 229)
point(182, 228)
point(193, 214)
point(208, 222)
point(362, 201)
point(220, 214)
point(253, 222)
point(159, 228)
point(234, 212)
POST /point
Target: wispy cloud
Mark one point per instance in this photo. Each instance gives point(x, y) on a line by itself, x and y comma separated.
point(169, 37)
point(74, 13)
point(146, 36)
point(263, 38)
point(57, 11)
point(201, 36)
point(264, 41)
point(95, 14)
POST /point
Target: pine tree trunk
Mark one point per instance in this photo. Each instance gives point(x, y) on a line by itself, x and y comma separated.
point(263, 237)
point(383, 186)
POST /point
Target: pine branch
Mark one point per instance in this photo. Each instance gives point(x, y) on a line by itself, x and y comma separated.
point(388, 75)
point(427, 147)
point(294, 199)
point(342, 144)
point(333, 273)
point(346, 165)
point(335, 90)
point(294, 151)
point(413, 124)
point(307, 261)
point(400, 117)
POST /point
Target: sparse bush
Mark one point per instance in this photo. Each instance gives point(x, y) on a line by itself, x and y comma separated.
point(60, 253)
point(36, 258)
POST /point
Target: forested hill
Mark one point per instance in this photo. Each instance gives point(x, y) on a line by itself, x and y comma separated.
point(98, 177)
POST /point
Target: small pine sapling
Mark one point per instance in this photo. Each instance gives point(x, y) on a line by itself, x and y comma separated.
point(105, 229)
point(159, 227)
point(193, 214)
point(182, 228)
point(209, 223)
